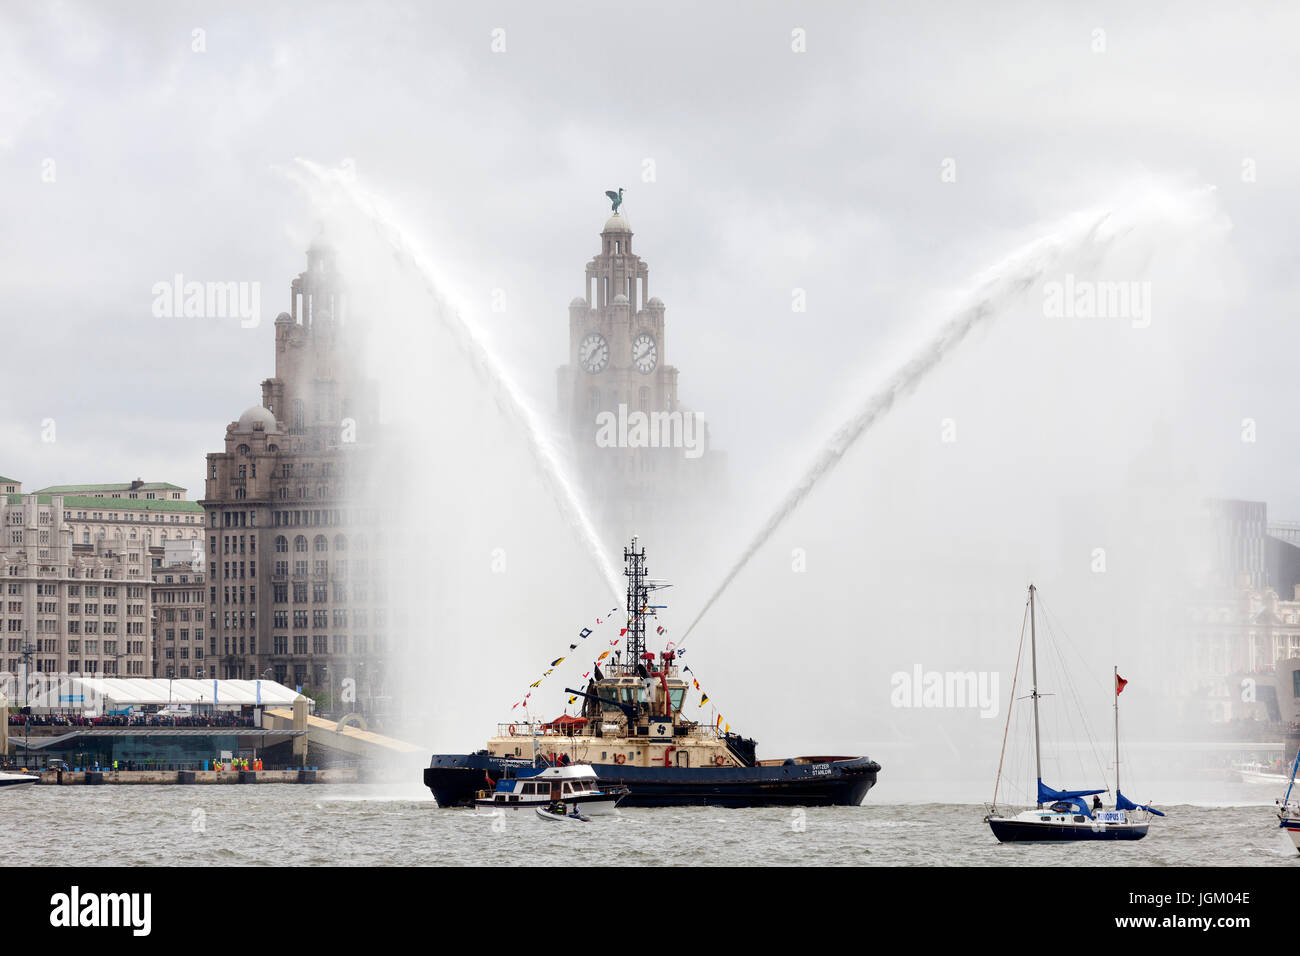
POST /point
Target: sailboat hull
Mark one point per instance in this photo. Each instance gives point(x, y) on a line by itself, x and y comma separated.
point(1292, 827)
point(1037, 831)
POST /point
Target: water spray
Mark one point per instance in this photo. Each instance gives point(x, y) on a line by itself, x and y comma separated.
point(318, 180)
point(1084, 236)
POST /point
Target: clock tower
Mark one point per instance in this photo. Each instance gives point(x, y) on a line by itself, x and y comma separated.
point(642, 454)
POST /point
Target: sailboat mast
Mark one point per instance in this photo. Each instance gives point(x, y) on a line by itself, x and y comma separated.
point(1033, 655)
point(1117, 732)
point(1294, 767)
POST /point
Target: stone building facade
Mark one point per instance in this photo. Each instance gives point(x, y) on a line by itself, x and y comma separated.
point(642, 452)
point(178, 602)
point(296, 576)
point(117, 521)
point(70, 608)
point(1238, 642)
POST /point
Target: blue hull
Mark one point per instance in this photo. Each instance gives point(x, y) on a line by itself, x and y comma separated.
point(841, 782)
point(1014, 831)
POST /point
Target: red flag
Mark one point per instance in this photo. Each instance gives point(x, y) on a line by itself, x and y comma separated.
point(622, 631)
point(1120, 684)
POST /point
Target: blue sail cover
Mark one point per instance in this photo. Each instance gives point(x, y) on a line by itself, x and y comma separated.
point(1124, 803)
point(1047, 795)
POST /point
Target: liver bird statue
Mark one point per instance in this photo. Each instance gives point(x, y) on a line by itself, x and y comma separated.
point(615, 197)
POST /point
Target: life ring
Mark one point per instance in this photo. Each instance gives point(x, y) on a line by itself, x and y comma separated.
point(619, 758)
point(512, 730)
point(719, 760)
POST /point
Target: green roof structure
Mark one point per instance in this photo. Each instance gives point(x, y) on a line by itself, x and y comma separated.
point(114, 504)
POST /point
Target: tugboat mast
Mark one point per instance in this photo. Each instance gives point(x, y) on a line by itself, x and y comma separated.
point(638, 597)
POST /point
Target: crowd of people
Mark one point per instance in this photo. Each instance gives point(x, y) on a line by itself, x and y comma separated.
point(229, 719)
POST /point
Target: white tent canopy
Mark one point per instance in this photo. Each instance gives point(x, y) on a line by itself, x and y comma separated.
point(99, 694)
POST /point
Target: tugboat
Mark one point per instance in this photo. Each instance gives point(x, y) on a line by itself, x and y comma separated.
point(1064, 815)
point(633, 733)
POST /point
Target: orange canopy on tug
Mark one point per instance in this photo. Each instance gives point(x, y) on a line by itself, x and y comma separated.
point(564, 721)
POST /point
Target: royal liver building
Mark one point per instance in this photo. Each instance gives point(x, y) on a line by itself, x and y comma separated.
point(296, 582)
point(644, 455)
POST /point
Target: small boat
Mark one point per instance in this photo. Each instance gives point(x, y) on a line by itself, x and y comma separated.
point(1064, 815)
point(574, 785)
point(13, 781)
point(1288, 811)
point(1261, 773)
point(555, 812)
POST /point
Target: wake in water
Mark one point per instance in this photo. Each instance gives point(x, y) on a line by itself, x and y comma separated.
point(1079, 241)
point(323, 185)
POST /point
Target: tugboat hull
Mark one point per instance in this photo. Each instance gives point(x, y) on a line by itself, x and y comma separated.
point(454, 779)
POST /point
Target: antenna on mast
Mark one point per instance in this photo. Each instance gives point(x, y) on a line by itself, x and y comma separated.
point(638, 597)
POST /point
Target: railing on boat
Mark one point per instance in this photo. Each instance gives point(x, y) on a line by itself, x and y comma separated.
point(525, 729)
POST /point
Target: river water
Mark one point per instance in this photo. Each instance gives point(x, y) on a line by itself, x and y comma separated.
point(390, 825)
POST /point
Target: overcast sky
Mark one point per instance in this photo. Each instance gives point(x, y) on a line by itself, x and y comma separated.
point(773, 170)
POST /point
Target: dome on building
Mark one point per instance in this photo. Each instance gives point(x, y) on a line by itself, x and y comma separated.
point(620, 299)
point(256, 415)
point(655, 302)
point(616, 223)
point(284, 318)
point(578, 303)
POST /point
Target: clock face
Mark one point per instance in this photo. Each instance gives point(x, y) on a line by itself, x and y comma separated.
point(593, 352)
point(645, 354)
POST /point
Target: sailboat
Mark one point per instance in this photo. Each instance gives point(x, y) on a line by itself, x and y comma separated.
point(1062, 815)
point(1288, 813)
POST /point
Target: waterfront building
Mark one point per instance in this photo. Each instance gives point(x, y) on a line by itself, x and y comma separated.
point(296, 576)
point(1239, 535)
point(148, 513)
point(69, 607)
point(1237, 643)
point(178, 604)
point(644, 454)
